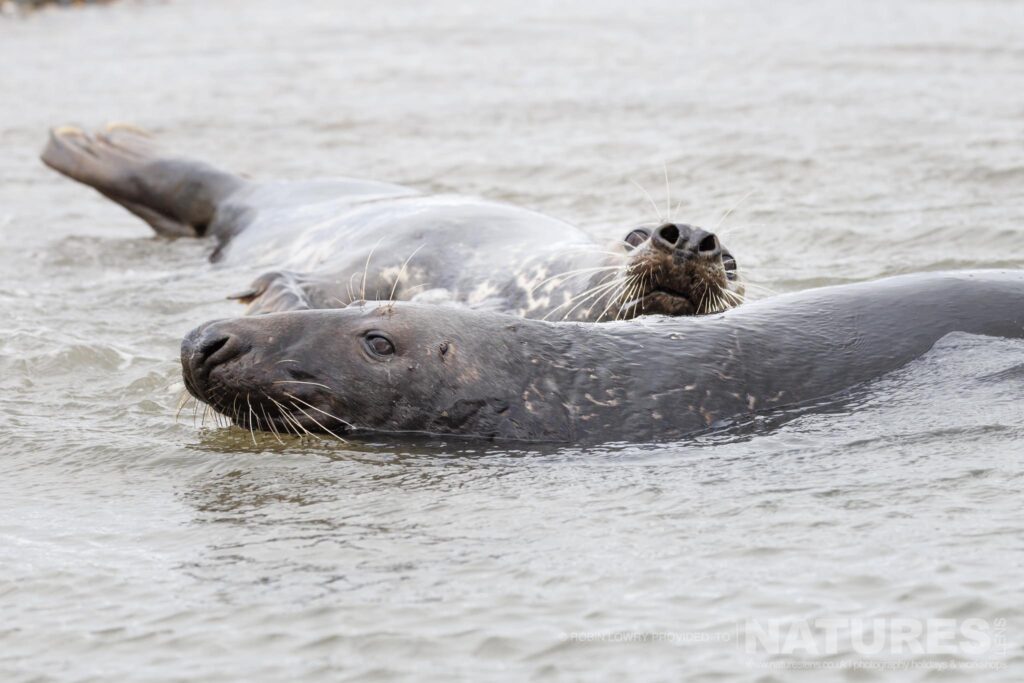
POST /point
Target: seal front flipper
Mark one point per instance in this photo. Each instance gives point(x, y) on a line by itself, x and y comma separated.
point(176, 197)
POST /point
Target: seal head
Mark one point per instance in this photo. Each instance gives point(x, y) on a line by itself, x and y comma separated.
point(378, 367)
point(681, 270)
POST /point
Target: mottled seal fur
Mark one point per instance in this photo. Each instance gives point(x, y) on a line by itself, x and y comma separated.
point(414, 368)
point(327, 244)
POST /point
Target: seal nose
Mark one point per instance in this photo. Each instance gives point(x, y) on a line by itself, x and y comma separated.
point(206, 347)
point(687, 240)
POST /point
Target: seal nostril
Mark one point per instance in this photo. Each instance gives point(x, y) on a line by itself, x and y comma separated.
point(637, 237)
point(215, 348)
point(709, 243)
point(728, 261)
point(669, 233)
point(211, 345)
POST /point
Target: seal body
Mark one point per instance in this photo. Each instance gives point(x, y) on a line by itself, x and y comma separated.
point(407, 367)
point(327, 244)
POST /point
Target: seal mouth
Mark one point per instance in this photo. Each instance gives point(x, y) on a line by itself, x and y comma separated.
point(699, 286)
point(664, 300)
point(661, 290)
point(668, 291)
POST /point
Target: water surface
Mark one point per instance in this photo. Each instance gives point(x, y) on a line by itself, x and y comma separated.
point(848, 141)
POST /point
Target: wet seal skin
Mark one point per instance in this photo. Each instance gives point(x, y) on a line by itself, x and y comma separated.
point(402, 367)
point(329, 243)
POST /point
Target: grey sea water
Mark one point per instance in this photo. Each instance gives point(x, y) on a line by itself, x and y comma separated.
point(845, 141)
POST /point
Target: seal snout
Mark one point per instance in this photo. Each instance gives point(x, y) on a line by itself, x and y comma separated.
point(682, 270)
point(686, 240)
point(203, 349)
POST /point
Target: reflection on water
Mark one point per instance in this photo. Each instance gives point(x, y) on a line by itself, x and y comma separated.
point(871, 139)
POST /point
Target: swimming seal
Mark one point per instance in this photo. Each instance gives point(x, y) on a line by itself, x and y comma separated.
point(407, 367)
point(327, 244)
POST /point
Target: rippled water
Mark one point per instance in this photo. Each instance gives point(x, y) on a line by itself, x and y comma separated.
point(851, 140)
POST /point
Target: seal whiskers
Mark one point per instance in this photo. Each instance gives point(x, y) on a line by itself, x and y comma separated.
point(318, 424)
point(296, 381)
point(732, 298)
point(619, 296)
point(614, 293)
point(366, 268)
point(627, 297)
point(253, 417)
point(628, 284)
point(729, 212)
point(270, 423)
point(703, 296)
point(668, 191)
point(401, 271)
point(183, 401)
point(290, 419)
point(569, 274)
point(334, 417)
point(597, 289)
point(596, 292)
point(755, 285)
point(649, 198)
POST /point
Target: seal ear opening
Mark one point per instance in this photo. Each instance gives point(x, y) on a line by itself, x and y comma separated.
point(257, 289)
point(246, 297)
point(273, 292)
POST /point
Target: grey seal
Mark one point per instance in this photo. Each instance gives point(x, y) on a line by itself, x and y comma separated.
point(385, 367)
point(327, 244)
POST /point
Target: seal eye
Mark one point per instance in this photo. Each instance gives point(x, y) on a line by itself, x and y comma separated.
point(637, 237)
point(379, 345)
